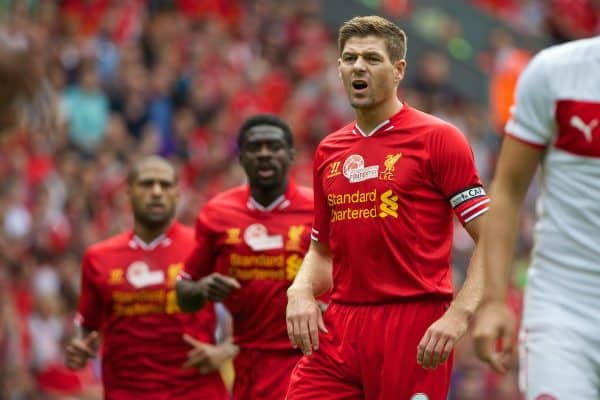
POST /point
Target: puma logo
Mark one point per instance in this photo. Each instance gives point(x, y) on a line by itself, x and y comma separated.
point(577, 123)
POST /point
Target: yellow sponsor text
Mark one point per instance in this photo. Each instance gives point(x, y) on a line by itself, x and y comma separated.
point(247, 274)
point(336, 199)
point(140, 296)
point(145, 302)
point(258, 260)
point(349, 214)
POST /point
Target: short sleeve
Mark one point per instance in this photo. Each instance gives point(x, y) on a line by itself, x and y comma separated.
point(320, 228)
point(455, 174)
point(531, 118)
point(89, 314)
point(201, 260)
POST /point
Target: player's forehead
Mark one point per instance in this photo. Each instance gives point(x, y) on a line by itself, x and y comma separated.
point(264, 133)
point(364, 45)
point(155, 171)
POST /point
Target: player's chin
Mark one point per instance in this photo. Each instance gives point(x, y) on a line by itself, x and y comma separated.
point(157, 218)
point(361, 103)
point(267, 183)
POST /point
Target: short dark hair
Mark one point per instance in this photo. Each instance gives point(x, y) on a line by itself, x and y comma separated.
point(395, 38)
point(135, 168)
point(264, 119)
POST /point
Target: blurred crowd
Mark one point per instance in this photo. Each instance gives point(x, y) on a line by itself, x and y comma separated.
point(131, 78)
point(561, 20)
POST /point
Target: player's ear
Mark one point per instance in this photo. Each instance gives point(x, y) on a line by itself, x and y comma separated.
point(399, 68)
point(340, 68)
point(293, 153)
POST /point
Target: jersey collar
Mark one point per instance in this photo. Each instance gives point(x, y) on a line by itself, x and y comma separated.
point(385, 126)
point(280, 203)
point(163, 240)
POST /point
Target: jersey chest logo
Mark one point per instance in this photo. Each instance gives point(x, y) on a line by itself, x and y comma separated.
point(390, 166)
point(585, 129)
point(257, 238)
point(578, 127)
point(354, 169)
point(139, 275)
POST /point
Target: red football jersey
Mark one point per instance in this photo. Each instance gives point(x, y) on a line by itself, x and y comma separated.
point(263, 249)
point(127, 293)
point(384, 201)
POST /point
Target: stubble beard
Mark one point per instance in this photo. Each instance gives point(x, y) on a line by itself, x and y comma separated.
point(362, 104)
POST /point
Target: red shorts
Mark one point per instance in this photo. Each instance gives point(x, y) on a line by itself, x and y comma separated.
point(206, 387)
point(263, 374)
point(370, 353)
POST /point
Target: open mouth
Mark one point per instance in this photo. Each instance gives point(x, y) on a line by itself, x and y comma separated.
point(359, 84)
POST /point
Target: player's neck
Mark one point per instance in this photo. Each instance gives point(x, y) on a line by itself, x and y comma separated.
point(266, 197)
point(149, 233)
point(369, 118)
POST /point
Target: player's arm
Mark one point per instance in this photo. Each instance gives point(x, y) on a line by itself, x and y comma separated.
point(190, 296)
point(193, 295)
point(516, 167)
point(207, 357)
point(439, 340)
point(83, 345)
point(197, 283)
point(303, 315)
point(85, 341)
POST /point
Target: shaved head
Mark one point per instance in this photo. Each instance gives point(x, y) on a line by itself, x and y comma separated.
point(134, 172)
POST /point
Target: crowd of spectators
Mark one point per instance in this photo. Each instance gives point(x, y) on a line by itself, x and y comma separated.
point(176, 78)
point(561, 20)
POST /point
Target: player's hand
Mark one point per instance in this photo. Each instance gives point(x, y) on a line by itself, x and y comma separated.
point(217, 287)
point(495, 322)
point(440, 338)
point(79, 351)
point(205, 357)
point(304, 320)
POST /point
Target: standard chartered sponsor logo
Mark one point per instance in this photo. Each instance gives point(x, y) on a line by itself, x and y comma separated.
point(349, 213)
point(144, 302)
point(389, 204)
point(370, 205)
point(260, 260)
point(351, 198)
point(264, 266)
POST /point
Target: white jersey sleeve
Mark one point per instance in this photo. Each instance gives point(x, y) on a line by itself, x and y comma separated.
point(532, 117)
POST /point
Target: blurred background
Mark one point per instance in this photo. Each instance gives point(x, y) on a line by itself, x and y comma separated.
point(131, 78)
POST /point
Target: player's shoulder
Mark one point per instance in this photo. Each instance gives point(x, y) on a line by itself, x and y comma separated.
point(422, 118)
point(235, 196)
point(225, 202)
point(182, 232)
point(583, 50)
point(305, 192)
point(337, 136)
point(106, 249)
point(115, 242)
point(432, 127)
point(304, 196)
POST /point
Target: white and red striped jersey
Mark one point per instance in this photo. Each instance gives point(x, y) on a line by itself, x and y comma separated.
point(558, 109)
point(384, 203)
